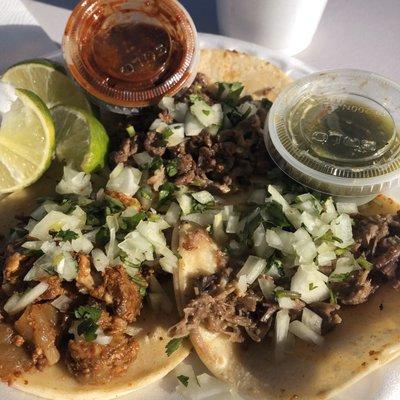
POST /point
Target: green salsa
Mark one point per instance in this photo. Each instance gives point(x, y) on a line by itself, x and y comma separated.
point(343, 130)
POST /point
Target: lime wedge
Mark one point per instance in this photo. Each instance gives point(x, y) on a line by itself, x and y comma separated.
point(82, 140)
point(26, 142)
point(46, 79)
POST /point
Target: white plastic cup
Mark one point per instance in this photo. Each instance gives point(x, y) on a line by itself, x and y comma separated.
point(287, 26)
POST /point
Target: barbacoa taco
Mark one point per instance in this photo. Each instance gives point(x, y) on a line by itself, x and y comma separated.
point(84, 308)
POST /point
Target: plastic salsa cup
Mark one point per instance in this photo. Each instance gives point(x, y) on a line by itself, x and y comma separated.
point(128, 54)
point(338, 132)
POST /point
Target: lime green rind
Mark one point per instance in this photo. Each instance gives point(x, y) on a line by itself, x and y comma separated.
point(69, 95)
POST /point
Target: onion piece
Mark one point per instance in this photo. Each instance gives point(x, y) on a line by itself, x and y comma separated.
point(203, 197)
point(133, 331)
point(173, 214)
point(124, 180)
point(346, 208)
point(267, 286)
point(62, 303)
point(143, 159)
point(14, 306)
point(312, 320)
point(252, 268)
point(203, 219)
point(100, 260)
point(282, 321)
point(218, 229)
point(232, 224)
point(305, 333)
point(185, 203)
point(74, 182)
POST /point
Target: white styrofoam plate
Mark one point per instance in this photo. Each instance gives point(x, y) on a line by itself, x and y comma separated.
point(383, 384)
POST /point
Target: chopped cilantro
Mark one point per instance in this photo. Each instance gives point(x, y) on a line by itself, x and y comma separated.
point(287, 293)
point(195, 97)
point(230, 92)
point(199, 207)
point(274, 262)
point(145, 193)
point(272, 213)
point(206, 112)
point(95, 213)
point(183, 379)
point(65, 236)
point(88, 327)
point(340, 277)
point(364, 263)
point(113, 205)
point(166, 192)
point(102, 237)
point(67, 205)
point(173, 345)
point(87, 312)
point(156, 163)
point(311, 286)
point(132, 222)
point(329, 237)
point(340, 252)
point(332, 297)
point(130, 130)
point(167, 133)
point(172, 167)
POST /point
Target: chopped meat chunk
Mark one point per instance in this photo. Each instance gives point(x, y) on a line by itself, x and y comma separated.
point(356, 289)
point(128, 147)
point(119, 291)
point(55, 288)
point(39, 326)
point(14, 360)
point(388, 257)
point(127, 201)
point(92, 363)
point(154, 144)
point(84, 279)
point(158, 178)
point(12, 267)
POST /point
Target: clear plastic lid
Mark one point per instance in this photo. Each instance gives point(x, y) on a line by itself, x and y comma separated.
point(131, 53)
point(338, 132)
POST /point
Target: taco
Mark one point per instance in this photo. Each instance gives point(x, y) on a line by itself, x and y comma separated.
point(275, 330)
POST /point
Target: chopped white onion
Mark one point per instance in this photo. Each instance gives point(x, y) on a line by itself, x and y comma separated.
point(252, 268)
point(305, 333)
point(267, 286)
point(282, 321)
point(218, 229)
point(55, 220)
point(173, 214)
point(82, 245)
point(342, 229)
point(142, 159)
point(101, 338)
point(152, 232)
point(310, 283)
point(14, 305)
point(167, 103)
point(62, 303)
point(124, 180)
point(193, 126)
point(100, 260)
point(180, 111)
point(232, 224)
point(203, 219)
point(74, 182)
point(346, 208)
point(203, 197)
point(285, 302)
point(185, 203)
point(133, 331)
point(227, 211)
point(312, 320)
point(65, 265)
point(178, 135)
